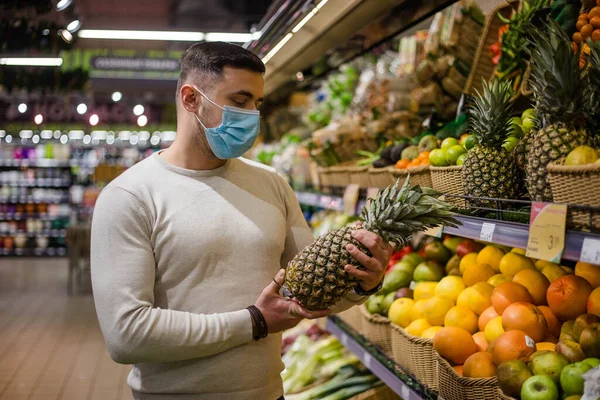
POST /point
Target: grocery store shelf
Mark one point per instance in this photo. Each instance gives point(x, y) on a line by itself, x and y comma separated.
point(25, 216)
point(54, 233)
point(42, 183)
point(372, 358)
point(49, 252)
point(47, 163)
point(29, 200)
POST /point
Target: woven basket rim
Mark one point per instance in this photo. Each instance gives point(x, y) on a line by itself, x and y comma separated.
point(414, 339)
point(373, 318)
point(573, 169)
point(445, 169)
point(357, 168)
point(473, 382)
point(419, 169)
point(373, 170)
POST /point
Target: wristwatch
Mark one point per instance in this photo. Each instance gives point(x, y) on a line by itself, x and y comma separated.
point(358, 290)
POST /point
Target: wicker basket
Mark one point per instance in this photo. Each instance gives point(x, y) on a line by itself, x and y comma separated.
point(324, 176)
point(339, 175)
point(448, 180)
point(482, 67)
point(577, 185)
point(418, 175)
point(353, 318)
point(376, 328)
point(502, 396)
point(415, 355)
point(378, 393)
point(359, 175)
point(455, 387)
point(381, 177)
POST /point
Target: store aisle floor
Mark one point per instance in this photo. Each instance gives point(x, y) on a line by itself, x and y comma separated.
point(51, 346)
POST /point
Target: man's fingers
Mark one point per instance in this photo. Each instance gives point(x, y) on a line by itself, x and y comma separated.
point(361, 257)
point(298, 311)
point(371, 241)
point(357, 273)
point(277, 283)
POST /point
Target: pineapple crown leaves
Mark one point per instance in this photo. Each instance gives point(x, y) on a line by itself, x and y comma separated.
point(490, 113)
point(399, 211)
point(556, 79)
point(592, 75)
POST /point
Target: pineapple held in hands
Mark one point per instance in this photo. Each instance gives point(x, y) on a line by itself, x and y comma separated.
point(316, 276)
point(489, 170)
point(558, 89)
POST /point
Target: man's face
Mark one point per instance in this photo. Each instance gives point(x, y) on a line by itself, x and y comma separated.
point(239, 88)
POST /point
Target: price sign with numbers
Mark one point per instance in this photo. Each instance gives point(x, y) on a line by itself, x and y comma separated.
point(547, 231)
point(487, 232)
point(590, 251)
point(351, 198)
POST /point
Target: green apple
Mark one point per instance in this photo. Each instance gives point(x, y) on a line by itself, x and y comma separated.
point(375, 304)
point(539, 387)
point(549, 364)
point(529, 113)
point(470, 142)
point(516, 130)
point(405, 266)
point(428, 271)
point(510, 143)
point(437, 158)
point(516, 121)
point(593, 362)
point(453, 153)
point(413, 258)
point(571, 378)
point(461, 159)
point(528, 124)
point(449, 142)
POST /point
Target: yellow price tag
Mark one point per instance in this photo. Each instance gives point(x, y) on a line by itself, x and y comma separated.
point(547, 227)
point(435, 232)
point(351, 198)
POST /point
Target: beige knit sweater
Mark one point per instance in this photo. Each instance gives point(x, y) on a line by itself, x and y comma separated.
point(177, 256)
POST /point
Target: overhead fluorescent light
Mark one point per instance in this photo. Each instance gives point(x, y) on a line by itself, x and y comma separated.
point(228, 37)
point(74, 25)
point(63, 4)
point(305, 20)
point(278, 47)
point(35, 62)
point(321, 4)
point(141, 35)
point(256, 35)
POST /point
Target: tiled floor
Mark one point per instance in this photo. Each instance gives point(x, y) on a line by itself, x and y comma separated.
point(50, 344)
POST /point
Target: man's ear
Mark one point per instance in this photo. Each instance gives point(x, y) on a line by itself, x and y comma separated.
point(190, 98)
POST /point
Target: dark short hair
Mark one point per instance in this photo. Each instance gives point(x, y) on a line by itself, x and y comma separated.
point(211, 57)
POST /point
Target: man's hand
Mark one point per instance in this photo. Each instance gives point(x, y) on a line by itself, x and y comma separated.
point(375, 266)
point(282, 313)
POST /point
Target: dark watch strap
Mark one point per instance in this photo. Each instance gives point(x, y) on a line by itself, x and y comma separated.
point(358, 290)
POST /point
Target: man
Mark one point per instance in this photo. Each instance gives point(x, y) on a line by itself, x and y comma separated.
point(186, 240)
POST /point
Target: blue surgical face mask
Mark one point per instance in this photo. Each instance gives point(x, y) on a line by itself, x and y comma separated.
point(236, 134)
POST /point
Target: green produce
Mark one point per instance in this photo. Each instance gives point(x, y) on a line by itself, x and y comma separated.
point(374, 304)
point(488, 169)
point(388, 300)
point(511, 377)
point(539, 387)
point(571, 378)
point(559, 93)
point(410, 153)
point(461, 159)
point(592, 362)
point(428, 271)
point(351, 391)
point(449, 142)
point(453, 153)
point(436, 251)
point(529, 124)
point(395, 280)
point(316, 276)
point(549, 364)
point(413, 258)
point(405, 266)
point(510, 143)
point(427, 143)
point(437, 158)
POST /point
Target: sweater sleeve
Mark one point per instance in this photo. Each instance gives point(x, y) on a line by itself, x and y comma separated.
point(123, 275)
point(299, 236)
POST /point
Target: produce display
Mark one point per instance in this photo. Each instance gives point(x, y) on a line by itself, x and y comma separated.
point(316, 276)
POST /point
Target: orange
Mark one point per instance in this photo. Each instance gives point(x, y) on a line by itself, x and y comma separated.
point(477, 273)
point(425, 161)
point(461, 317)
point(512, 345)
point(494, 329)
point(568, 296)
point(480, 341)
point(454, 344)
point(423, 155)
point(479, 365)
point(589, 272)
point(458, 369)
point(467, 261)
point(486, 316)
point(476, 297)
point(527, 318)
point(507, 293)
point(554, 324)
point(536, 284)
point(545, 346)
point(402, 164)
point(593, 303)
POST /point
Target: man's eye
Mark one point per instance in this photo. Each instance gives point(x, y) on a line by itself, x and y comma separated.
point(239, 103)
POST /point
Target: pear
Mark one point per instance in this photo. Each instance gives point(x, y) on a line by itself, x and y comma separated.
point(570, 349)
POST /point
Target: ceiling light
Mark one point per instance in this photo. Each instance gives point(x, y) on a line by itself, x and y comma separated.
point(154, 140)
point(277, 47)
point(300, 76)
point(34, 62)
point(46, 32)
point(116, 96)
point(65, 35)
point(2, 133)
point(36, 139)
point(46, 134)
point(76, 134)
point(110, 140)
point(256, 35)
point(63, 4)
point(64, 139)
point(228, 37)
point(138, 109)
point(8, 138)
point(141, 35)
point(81, 108)
point(38, 119)
point(305, 20)
point(94, 119)
point(134, 140)
point(26, 134)
point(74, 25)
point(22, 108)
point(321, 4)
point(142, 120)
point(87, 139)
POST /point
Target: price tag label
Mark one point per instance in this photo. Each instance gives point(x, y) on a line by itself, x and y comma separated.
point(487, 232)
point(547, 226)
point(405, 392)
point(435, 232)
point(371, 194)
point(351, 198)
point(367, 360)
point(590, 251)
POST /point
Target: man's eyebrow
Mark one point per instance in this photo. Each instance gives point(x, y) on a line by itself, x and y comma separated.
point(247, 94)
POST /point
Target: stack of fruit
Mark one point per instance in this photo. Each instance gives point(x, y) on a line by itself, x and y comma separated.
point(588, 26)
point(490, 310)
point(417, 155)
